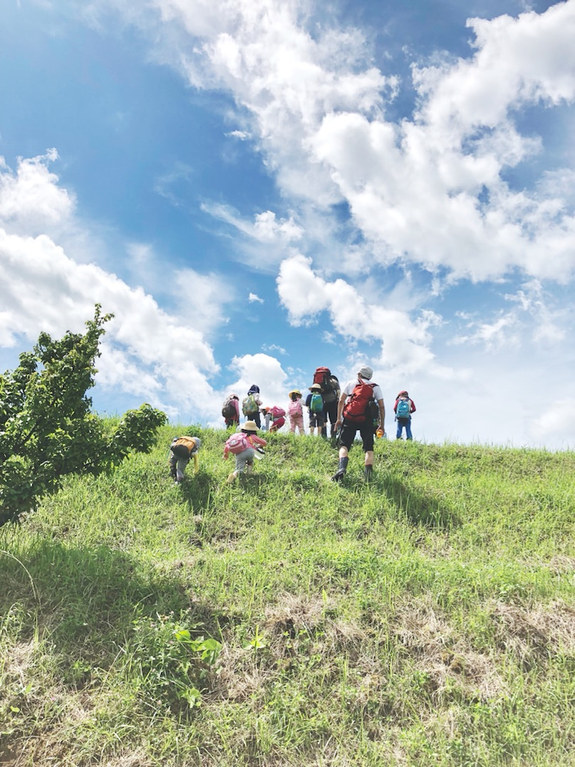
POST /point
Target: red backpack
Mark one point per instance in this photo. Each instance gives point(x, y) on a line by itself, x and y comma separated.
point(322, 377)
point(356, 407)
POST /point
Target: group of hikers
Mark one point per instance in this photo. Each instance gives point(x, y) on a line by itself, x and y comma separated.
point(357, 407)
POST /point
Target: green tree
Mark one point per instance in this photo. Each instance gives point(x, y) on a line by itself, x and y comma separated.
point(47, 429)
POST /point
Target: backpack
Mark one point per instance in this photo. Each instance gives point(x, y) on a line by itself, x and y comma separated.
point(294, 408)
point(356, 407)
point(316, 403)
point(228, 408)
point(277, 412)
point(403, 409)
point(322, 377)
point(250, 406)
point(331, 390)
point(180, 450)
point(238, 442)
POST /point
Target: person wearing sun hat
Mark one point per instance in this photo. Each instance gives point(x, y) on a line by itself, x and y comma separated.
point(295, 411)
point(244, 444)
point(358, 399)
point(314, 404)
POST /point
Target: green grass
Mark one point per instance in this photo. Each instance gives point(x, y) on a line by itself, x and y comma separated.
point(425, 619)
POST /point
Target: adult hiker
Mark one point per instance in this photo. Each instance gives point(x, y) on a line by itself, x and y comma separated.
point(330, 392)
point(360, 407)
point(181, 450)
point(403, 408)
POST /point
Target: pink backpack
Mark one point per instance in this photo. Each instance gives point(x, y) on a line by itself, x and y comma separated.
point(294, 408)
point(238, 442)
point(277, 412)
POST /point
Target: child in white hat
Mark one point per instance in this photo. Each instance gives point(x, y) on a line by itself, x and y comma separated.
point(245, 445)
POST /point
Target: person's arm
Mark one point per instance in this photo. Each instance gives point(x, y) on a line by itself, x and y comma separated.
point(381, 414)
point(412, 406)
point(340, 406)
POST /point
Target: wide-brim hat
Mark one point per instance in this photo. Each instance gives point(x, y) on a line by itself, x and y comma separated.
point(294, 391)
point(249, 426)
point(315, 386)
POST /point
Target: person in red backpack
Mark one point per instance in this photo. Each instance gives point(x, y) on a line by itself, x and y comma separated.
point(274, 417)
point(360, 407)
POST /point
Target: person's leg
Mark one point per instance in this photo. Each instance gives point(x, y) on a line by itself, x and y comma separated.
point(399, 429)
point(257, 420)
point(366, 432)
point(173, 461)
point(408, 433)
point(181, 468)
point(346, 438)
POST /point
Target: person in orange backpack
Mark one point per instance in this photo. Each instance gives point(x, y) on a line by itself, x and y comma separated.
point(360, 407)
point(181, 450)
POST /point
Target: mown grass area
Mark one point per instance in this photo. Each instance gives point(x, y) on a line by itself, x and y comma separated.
point(425, 619)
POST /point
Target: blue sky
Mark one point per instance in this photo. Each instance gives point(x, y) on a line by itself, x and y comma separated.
point(255, 188)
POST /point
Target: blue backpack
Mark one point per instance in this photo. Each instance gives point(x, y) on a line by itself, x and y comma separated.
point(316, 403)
point(403, 408)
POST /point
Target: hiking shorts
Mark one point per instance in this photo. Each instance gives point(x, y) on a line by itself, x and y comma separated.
point(349, 430)
point(316, 419)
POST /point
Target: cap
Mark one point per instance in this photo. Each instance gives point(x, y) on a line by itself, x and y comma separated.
point(365, 372)
point(294, 391)
point(315, 386)
point(254, 389)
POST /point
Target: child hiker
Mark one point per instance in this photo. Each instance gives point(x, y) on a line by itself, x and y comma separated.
point(181, 450)
point(275, 417)
point(244, 445)
point(403, 408)
point(295, 412)
point(314, 404)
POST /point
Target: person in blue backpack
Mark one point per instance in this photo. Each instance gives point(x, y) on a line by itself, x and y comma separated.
point(403, 408)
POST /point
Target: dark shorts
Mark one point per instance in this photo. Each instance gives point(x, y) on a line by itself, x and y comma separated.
point(316, 419)
point(349, 430)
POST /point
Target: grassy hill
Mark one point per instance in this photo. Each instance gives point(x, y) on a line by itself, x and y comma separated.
point(425, 619)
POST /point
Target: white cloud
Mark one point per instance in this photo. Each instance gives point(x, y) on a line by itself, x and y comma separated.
point(264, 371)
point(30, 200)
point(431, 190)
point(253, 298)
point(558, 421)
point(405, 344)
point(147, 352)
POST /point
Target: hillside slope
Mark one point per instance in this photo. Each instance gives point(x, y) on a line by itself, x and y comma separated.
point(425, 619)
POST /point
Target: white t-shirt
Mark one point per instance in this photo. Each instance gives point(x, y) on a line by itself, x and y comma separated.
point(349, 387)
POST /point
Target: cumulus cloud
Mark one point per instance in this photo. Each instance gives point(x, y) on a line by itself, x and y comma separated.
point(31, 202)
point(146, 351)
point(405, 343)
point(431, 189)
point(263, 371)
